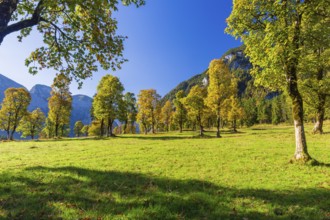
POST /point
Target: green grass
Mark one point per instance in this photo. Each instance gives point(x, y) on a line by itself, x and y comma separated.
point(167, 176)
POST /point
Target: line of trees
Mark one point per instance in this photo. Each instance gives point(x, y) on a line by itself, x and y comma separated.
point(14, 114)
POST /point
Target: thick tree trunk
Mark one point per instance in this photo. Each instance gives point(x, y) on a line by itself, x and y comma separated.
point(301, 153)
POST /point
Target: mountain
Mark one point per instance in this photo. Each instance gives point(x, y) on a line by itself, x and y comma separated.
point(6, 83)
point(238, 63)
point(39, 98)
point(81, 106)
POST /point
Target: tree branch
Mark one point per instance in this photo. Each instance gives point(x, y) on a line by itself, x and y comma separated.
point(34, 20)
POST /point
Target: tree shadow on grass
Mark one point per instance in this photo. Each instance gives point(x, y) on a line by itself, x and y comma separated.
point(77, 193)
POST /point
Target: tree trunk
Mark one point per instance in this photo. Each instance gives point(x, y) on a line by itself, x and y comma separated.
point(56, 130)
point(125, 127)
point(201, 130)
point(8, 134)
point(11, 136)
point(218, 126)
point(110, 128)
point(153, 128)
point(301, 153)
point(199, 120)
point(145, 129)
point(234, 126)
point(318, 127)
point(102, 128)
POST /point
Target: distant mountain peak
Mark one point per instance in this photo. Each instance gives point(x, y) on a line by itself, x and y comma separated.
point(6, 83)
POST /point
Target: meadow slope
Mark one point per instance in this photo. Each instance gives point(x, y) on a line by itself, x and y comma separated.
point(246, 175)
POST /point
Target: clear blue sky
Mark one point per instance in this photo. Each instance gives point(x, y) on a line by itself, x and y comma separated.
point(168, 41)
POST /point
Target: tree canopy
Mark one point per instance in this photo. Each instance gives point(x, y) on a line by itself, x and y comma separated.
point(108, 101)
point(13, 109)
point(275, 35)
point(77, 35)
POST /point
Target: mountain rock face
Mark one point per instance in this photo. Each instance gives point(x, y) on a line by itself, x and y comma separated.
point(238, 63)
point(6, 83)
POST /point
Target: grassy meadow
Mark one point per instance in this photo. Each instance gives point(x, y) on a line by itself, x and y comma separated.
point(245, 175)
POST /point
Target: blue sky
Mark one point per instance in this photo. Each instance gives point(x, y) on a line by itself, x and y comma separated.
point(168, 41)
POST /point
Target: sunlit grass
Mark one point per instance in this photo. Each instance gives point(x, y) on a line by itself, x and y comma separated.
point(166, 176)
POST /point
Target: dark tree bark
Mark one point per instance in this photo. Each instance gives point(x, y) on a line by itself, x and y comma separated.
point(109, 130)
point(7, 8)
point(102, 128)
point(318, 127)
point(234, 126)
